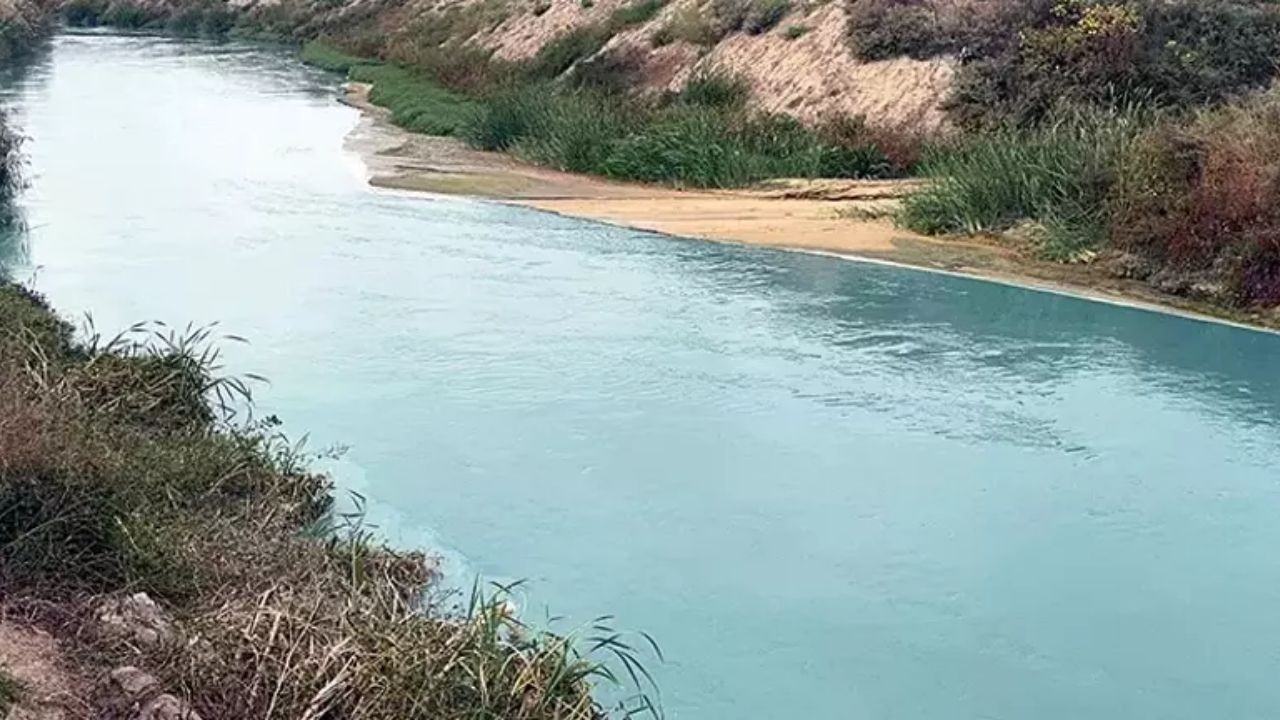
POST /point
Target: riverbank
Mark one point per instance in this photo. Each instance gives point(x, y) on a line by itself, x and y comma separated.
point(845, 218)
point(167, 553)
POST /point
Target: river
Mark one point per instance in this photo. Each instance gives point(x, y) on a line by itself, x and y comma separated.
point(829, 489)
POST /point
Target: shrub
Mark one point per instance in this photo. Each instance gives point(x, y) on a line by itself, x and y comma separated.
point(84, 13)
point(557, 56)
point(1197, 199)
point(880, 29)
point(690, 25)
point(319, 53)
point(575, 131)
point(636, 13)
point(1022, 59)
point(124, 14)
point(764, 15)
point(208, 19)
point(610, 72)
point(795, 32)
point(507, 117)
point(716, 89)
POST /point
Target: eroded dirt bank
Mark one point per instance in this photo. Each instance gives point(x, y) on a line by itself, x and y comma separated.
point(844, 218)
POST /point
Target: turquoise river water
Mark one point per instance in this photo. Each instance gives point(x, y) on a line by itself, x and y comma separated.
point(829, 489)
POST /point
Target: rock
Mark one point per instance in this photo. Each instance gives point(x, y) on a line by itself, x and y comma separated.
point(135, 618)
point(132, 682)
point(166, 707)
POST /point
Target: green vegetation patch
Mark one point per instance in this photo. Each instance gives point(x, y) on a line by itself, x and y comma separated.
point(416, 103)
point(321, 54)
point(1056, 176)
point(703, 136)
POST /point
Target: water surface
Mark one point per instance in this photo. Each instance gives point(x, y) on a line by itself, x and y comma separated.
point(830, 490)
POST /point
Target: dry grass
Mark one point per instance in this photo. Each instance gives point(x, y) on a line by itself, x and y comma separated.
point(130, 465)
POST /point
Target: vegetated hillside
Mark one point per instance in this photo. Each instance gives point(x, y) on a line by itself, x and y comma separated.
point(793, 53)
point(1131, 133)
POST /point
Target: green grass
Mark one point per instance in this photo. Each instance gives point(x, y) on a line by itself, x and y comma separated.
point(706, 138)
point(715, 89)
point(321, 54)
point(416, 103)
point(1056, 176)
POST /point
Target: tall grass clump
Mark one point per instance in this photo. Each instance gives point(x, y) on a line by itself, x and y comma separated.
point(715, 89)
point(576, 131)
point(1056, 176)
point(132, 464)
point(508, 116)
point(703, 136)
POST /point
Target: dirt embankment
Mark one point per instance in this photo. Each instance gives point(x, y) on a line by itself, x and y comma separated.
point(846, 218)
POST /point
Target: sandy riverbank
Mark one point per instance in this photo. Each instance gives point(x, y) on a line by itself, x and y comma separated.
point(844, 218)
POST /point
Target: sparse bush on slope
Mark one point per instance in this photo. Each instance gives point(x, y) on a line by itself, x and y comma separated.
point(1022, 59)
